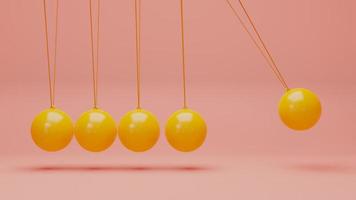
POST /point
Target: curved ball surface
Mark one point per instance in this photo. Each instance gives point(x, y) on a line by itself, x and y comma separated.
point(138, 130)
point(186, 130)
point(52, 130)
point(299, 109)
point(95, 130)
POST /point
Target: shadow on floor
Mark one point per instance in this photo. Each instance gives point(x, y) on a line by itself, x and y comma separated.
point(341, 168)
point(115, 168)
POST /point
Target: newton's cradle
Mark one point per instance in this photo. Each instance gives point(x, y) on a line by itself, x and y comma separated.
point(138, 130)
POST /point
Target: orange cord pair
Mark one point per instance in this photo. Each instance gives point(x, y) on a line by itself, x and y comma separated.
point(95, 52)
point(138, 52)
point(52, 82)
point(262, 47)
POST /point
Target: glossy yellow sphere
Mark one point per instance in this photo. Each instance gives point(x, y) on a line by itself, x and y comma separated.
point(186, 130)
point(299, 109)
point(95, 130)
point(138, 130)
point(52, 130)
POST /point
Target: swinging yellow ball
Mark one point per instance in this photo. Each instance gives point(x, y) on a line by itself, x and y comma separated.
point(186, 130)
point(52, 130)
point(138, 130)
point(95, 130)
point(299, 109)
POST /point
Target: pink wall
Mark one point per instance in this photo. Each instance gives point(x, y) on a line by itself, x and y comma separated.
point(229, 82)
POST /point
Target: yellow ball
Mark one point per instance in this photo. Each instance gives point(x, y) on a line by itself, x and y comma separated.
point(95, 130)
point(52, 130)
point(138, 130)
point(299, 109)
point(186, 130)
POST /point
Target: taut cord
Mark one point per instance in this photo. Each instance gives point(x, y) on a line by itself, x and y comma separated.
point(94, 52)
point(183, 54)
point(51, 82)
point(263, 50)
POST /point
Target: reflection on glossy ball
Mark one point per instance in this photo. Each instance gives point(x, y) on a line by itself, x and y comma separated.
point(138, 130)
point(299, 109)
point(95, 130)
point(186, 130)
point(52, 130)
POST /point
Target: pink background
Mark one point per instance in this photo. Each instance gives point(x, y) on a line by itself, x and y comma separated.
point(249, 153)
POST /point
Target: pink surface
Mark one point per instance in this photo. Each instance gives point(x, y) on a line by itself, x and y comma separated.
point(249, 153)
point(184, 177)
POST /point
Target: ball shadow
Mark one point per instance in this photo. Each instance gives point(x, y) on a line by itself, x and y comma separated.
point(116, 168)
point(340, 168)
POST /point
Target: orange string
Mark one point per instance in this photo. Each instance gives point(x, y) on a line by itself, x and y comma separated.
point(95, 52)
point(183, 54)
point(263, 50)
point(138, 50)
point(51, 82)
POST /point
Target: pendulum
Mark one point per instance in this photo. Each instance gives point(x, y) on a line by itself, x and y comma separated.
point(52, 129)
point(299, 108)
point(138, 129)
point(186, 130)
point(95, 130)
